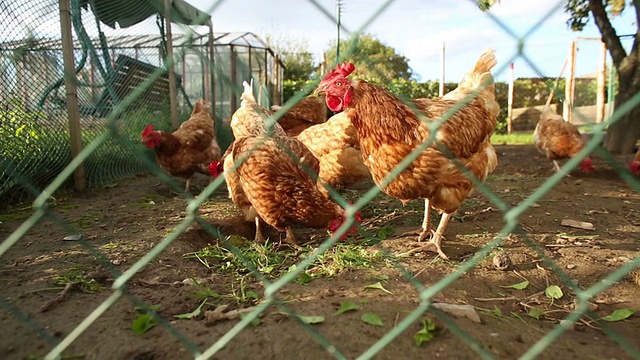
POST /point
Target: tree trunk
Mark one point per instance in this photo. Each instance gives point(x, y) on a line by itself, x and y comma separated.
point(621, 137)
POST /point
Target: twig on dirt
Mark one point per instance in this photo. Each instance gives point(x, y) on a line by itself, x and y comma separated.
point(544, 272)
point(395, 322)
point(497, 299)
point(57, 288)
point(60, 298)
point(588, 323)
point(489, 209)
point(154, 281)
point(568, 245)
point(213, 316)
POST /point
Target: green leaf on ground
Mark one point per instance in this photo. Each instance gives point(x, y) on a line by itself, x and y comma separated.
point(425, 334)
point(194, 313)
point(378, 286)
point(311, 319)
point(371, 319)
point(619, 314)
point(535, 313)
point(255, 322)
point(553, 292)
point(143, 323)
point(519, 286)
point(347, 305)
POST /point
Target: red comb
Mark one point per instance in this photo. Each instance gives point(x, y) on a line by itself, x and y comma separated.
point(147, 130)
point(344, 69)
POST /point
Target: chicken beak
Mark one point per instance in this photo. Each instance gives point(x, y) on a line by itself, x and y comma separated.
point(319, 91)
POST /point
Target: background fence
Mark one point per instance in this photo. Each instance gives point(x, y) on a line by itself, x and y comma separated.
point(36, 158)
point(110, 64)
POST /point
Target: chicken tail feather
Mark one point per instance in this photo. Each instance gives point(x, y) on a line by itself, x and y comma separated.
point(479, 78)
point(247, 94)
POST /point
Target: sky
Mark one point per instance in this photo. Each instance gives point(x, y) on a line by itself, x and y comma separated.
point(418, 29)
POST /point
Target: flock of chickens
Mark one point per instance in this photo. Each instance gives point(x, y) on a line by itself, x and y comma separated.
point(279, 172)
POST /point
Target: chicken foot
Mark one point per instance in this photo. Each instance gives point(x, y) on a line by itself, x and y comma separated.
point(435, 243)
point(290, 239)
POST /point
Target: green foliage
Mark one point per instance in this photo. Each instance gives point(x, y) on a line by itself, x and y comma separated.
point(372, 58)
point(426, 333)
point(145, 319)
point(294, 54)
point(21, 135)
point(578, 11)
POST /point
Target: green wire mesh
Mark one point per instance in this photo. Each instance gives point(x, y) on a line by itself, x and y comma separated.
point(36, 163)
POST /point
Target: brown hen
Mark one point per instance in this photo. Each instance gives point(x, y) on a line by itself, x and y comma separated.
point(335, 144)
point(558, 139)
point(389, 130)
point(189, 149)
point(307, 112)
point(277, 187)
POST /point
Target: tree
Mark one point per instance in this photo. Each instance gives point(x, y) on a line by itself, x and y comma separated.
point(621, 136)
point(294, 54)
point(372, 58)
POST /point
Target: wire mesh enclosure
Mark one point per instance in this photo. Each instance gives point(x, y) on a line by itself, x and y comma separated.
point(268, 258)
point(109, 65)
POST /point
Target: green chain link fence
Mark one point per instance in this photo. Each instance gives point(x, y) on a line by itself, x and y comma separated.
point(36, 159)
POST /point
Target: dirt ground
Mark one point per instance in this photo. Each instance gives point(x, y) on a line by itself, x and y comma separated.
point(120, 223)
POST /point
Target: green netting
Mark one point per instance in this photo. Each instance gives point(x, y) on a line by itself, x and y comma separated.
point(110, 63)
point(36, 162)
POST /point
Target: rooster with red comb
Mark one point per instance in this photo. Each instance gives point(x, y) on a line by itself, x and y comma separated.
point(389, 130)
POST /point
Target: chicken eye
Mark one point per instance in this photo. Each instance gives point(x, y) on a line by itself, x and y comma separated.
point(338, 83)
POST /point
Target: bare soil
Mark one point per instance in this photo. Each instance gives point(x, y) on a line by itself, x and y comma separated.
point(121, 223)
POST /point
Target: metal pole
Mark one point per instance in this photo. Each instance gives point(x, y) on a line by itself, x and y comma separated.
point(170, 68)
point(442, 67)
point(338, 11)
point(71, 86)
point(570, 82)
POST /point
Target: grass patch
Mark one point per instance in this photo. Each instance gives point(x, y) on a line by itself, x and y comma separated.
point(512, 139)
point(342, 257)
point(75, 276)
point(264, 258)
point(273, 263)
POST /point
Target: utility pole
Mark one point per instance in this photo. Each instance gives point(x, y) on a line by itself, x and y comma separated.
point(338, 11)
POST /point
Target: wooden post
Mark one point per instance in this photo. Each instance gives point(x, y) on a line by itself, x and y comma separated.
point(510, 99)
point(569, 90)
point(170, 66)
point(211, 74)
point(600, 89)
point(232, 79)
point(183, 72)
point(71, 86)
point(323, 65)
point(442, 67)
point(276, 83)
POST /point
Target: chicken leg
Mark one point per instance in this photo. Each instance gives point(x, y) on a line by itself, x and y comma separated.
point(290, 239)
point(425, 230)
point(435, 243)
point(258, 238)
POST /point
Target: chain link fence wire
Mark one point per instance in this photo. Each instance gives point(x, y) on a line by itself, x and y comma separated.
point(33, 118)
point(110, 64)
